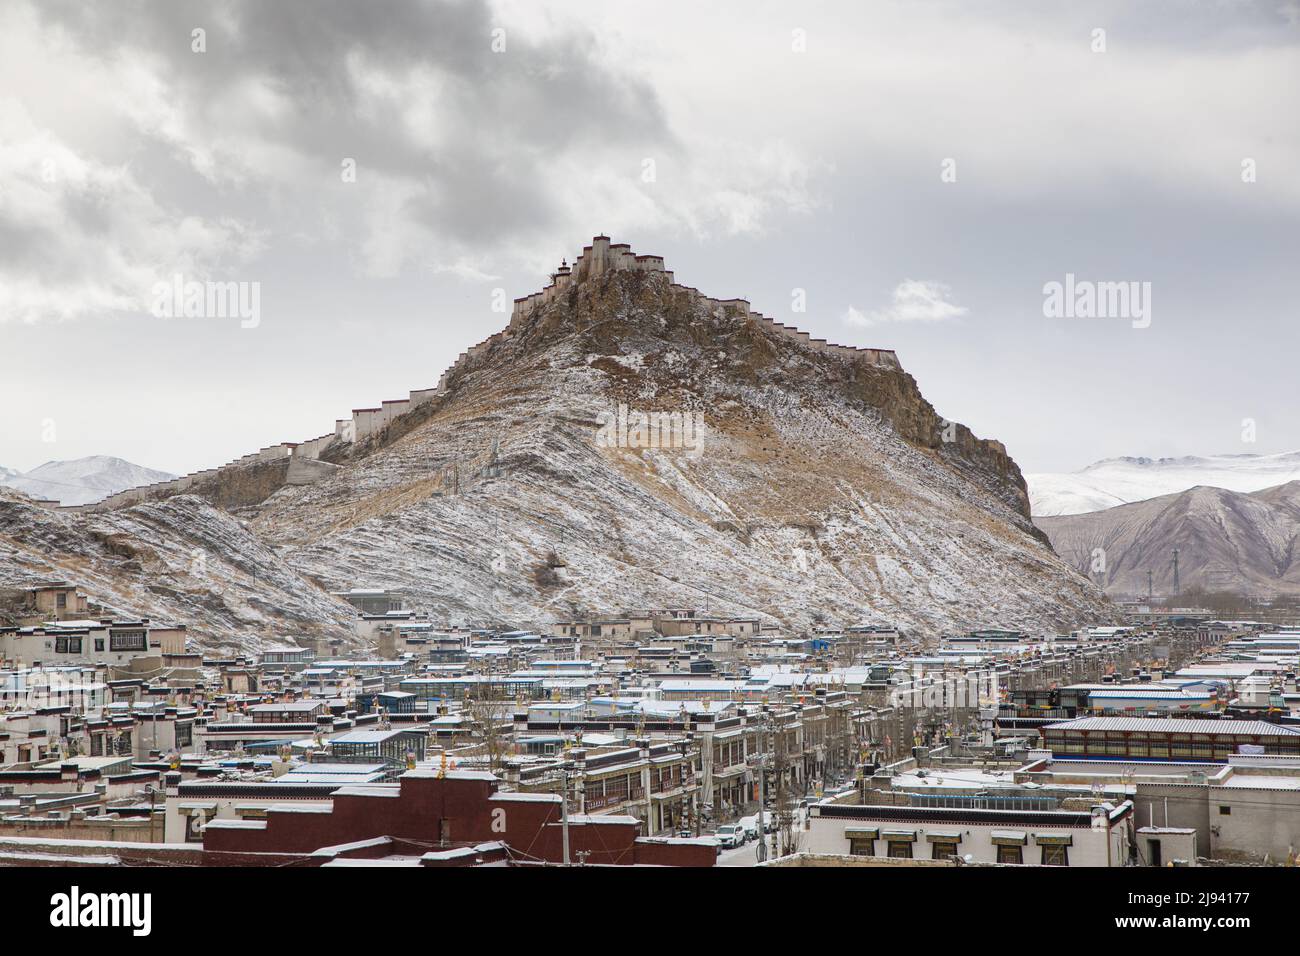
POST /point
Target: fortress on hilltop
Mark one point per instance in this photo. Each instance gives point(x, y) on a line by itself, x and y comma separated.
point(305, 463)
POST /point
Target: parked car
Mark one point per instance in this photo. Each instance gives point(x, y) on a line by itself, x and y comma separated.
point(750, 824)
point(730, 836)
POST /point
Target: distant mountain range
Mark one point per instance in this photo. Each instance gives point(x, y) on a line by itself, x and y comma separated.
point(82, 480)
point(1227, 542)
point(1118, 481)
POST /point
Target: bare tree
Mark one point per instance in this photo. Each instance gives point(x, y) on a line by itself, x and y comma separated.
point(487, 714)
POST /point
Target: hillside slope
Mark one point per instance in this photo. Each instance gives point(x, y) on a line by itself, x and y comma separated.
point(179, 560)
point(823, 491)
point(1227, 541)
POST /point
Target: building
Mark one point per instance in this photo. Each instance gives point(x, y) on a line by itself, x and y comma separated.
point(1208, 740)
point(1097, 837)
point(120, 643)
point(444, 811)
point(373, 600)
point(1246, 809)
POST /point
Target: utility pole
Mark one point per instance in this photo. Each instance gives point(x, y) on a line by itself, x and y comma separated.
point(1176, 591)
point(1149, 586)
point(762, 790)
point(564, 815)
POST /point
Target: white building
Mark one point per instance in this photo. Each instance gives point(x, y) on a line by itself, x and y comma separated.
point(1099, 837)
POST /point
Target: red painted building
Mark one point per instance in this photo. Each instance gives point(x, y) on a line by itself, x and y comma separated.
point(438, 811)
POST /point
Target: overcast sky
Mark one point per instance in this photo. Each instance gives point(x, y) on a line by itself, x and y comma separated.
point(921, 169)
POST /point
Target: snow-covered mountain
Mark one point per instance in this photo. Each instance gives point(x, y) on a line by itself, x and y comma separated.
point(1117, 481)
point(81, 480)
point(819, 488)
point(1227, 541)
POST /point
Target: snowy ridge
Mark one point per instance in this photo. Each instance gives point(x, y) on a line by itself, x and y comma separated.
point(82, 480)
point(1117, 481)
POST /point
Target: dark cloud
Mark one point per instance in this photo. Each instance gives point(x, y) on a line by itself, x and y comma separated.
point(503, 116)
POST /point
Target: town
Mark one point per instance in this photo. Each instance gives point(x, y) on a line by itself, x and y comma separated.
point(662, 736)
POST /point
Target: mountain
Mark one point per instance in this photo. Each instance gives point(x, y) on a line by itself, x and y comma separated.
point(1227, 541)
point(1117, 481)
point(812, 484)
point(82, 480)
point(180, 560)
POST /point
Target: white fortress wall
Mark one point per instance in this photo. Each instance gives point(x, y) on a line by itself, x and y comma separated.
point(364, 421)
point(314, 447)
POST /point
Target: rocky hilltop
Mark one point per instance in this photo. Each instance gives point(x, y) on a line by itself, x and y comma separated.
point(807, 483)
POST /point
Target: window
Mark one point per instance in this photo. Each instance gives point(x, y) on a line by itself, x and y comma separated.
point(126, 640)
point(1225, 811)
point(1054, 854)
point(943, 851)
point(900, 849)
point(67, 645)
point(99, 643)
point(862, 846)
point(1009, 854)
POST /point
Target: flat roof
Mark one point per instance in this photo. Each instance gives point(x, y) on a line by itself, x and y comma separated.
point(1177, 725)
point(1252, 781)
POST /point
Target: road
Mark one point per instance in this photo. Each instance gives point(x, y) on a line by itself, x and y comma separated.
point(739, 856)
point(746, 855)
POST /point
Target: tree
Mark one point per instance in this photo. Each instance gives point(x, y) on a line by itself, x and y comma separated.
point(485, 714)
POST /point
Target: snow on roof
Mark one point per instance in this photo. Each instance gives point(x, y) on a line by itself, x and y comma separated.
point(385, 861)
point(369, 736)
point(699, 685)
point(589, 818)
point(424, 773)
point(1261, 782)
point(526, 797)
point(1187, 725)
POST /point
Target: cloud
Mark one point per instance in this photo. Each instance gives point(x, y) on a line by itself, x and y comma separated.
point(468, 159)
point(913, 300)
point(82, 236)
